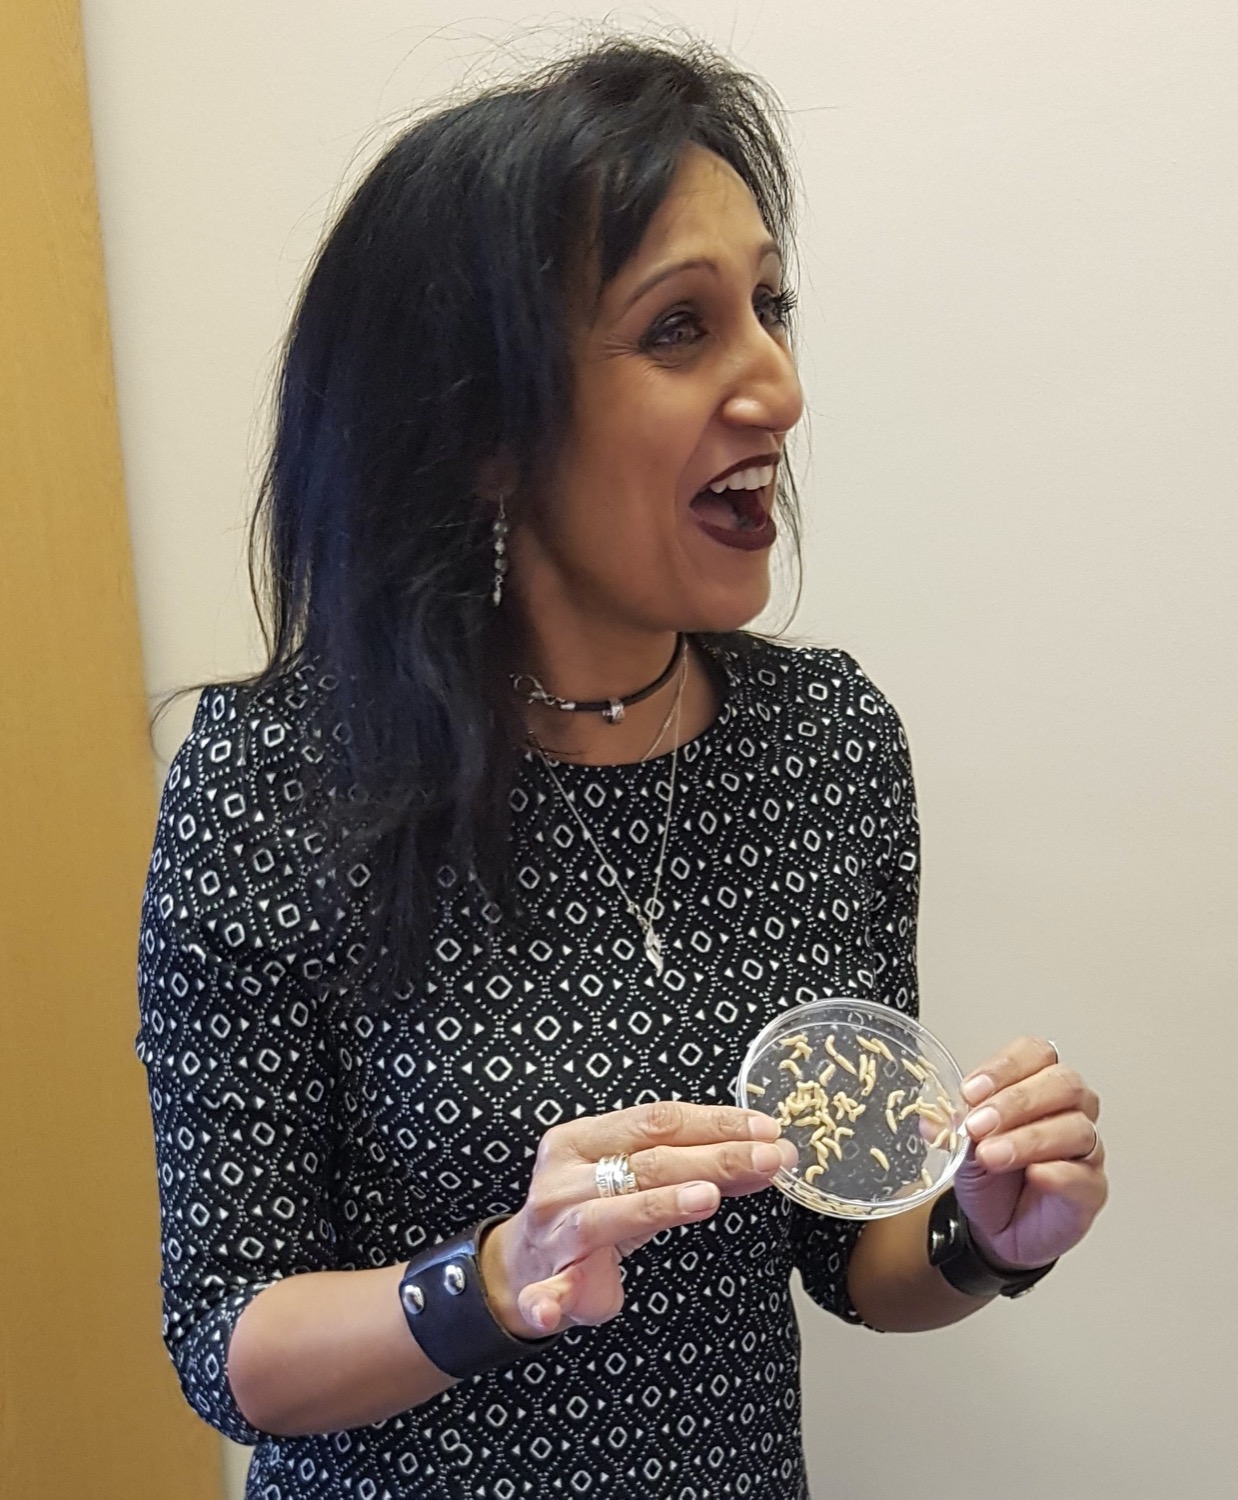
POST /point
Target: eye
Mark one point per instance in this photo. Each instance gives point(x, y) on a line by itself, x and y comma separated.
point(679, 329)
point(774, 308)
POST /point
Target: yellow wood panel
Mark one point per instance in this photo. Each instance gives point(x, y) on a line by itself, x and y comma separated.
point(89, 1404)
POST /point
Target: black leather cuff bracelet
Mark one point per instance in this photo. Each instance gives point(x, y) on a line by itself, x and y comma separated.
point(951, 1250)
point(448, 1313)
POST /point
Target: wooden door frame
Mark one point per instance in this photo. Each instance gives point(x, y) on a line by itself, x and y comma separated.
point(89, 1403)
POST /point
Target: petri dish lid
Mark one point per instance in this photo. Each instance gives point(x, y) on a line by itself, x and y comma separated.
point(870, 1099)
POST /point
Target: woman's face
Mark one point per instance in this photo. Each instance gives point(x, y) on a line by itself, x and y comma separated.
point(684, 381)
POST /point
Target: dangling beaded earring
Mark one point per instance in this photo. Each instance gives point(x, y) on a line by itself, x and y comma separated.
point(499, 529)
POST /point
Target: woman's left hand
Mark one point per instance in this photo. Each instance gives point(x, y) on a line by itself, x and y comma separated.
point(1034, 1179)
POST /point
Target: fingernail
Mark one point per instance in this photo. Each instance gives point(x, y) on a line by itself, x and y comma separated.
point(977, 1088)
point(762, 1128)
point(697, 1196)
point(981, 1122)
point(996, 1153)
point(790, 1156)
point(767, 1157)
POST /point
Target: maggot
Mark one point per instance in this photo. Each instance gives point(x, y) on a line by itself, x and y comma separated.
point(755, 1089)
point(880, 1158)
point(875, 1044)
point(798, 1040)
point(917, 1073)
point(838, 1057)
point(827, 1073)
point(941, 1136)
point(789, 1065)
point(813, 1172)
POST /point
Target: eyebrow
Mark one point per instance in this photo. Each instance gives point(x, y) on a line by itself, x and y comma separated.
point(699, 263)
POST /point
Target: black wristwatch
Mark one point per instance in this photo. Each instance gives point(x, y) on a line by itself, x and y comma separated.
point(952, 1251)
point(448, 1313)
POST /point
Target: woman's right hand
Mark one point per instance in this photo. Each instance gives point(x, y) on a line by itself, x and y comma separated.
point(556, 1262)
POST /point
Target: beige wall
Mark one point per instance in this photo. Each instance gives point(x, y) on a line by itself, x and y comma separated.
point(1020, 318)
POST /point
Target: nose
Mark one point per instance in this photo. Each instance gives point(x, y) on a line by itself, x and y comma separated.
point(765, 390)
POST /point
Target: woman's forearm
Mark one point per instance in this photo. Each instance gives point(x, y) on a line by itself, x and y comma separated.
point(328, 1350)
point(892, 1284)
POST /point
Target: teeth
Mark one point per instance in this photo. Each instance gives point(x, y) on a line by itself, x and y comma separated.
point(745, 479)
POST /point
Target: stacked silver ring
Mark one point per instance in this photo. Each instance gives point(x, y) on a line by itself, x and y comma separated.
point(614, 1177)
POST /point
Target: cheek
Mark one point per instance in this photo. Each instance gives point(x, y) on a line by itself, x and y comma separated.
point(622, 504)
point(645, 426)
point(629, 497)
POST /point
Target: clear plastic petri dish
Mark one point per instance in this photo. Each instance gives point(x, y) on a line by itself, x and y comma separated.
point(869, 1098)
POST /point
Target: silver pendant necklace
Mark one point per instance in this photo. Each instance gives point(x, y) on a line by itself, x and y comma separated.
point(650, 911)
point(671, 713)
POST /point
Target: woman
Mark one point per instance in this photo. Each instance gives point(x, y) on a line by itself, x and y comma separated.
point(461, 916)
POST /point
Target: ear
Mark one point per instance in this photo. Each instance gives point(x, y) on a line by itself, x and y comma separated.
point(497, 477)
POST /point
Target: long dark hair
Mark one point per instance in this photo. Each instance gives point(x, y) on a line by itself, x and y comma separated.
point(433, 332)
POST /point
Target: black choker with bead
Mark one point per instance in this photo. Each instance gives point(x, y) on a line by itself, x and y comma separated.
point(611, 709)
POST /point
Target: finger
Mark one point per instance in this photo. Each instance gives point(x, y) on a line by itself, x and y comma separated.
point(1083, 1185)
point(1068, 1137)
point(588, 1292)
point(1053, 1090)
point(664, 1123)
point(738, 1167)
point(631, 1219)
point(735, 1169)
point(1020, 1060)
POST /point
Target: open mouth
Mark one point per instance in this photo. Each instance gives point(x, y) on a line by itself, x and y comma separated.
point(735, 509)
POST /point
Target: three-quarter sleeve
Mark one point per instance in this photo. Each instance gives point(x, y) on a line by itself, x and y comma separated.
point(238, 1066)
point(822, 1246)
point(895, 899)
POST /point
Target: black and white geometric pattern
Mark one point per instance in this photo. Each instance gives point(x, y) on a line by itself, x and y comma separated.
point(297, 1129)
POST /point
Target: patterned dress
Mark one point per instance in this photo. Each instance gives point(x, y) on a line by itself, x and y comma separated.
point(300, 1128)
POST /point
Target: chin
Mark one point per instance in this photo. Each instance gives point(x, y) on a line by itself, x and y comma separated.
point(731, 610)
